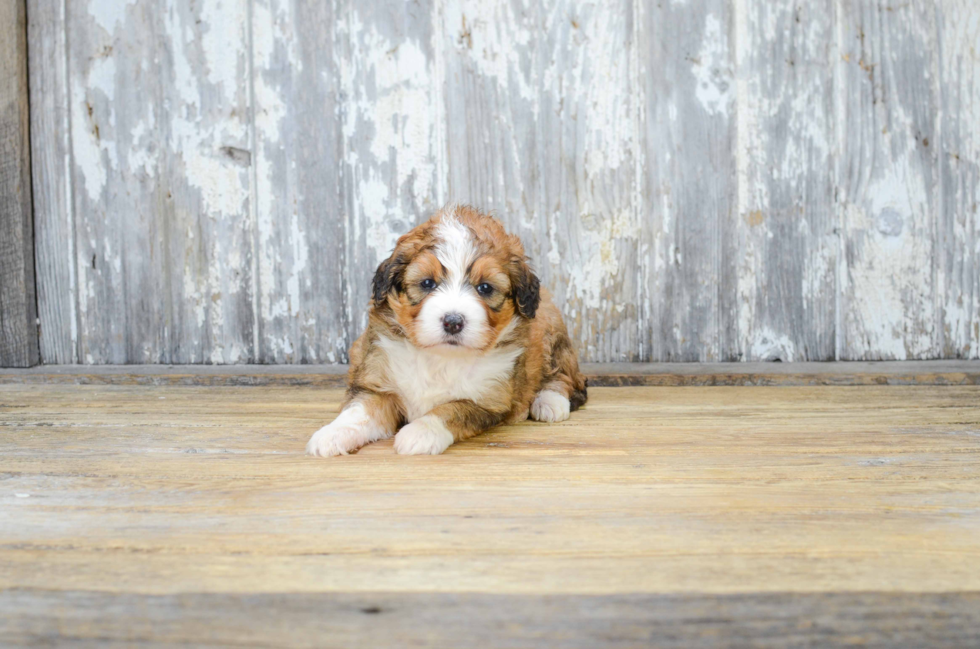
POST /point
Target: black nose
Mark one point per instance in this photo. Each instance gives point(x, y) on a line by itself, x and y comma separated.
point(452, 323)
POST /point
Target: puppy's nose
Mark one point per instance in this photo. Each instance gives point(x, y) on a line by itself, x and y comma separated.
point(452, 323)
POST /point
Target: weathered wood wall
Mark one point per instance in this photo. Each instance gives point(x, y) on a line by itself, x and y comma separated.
point(18, 306)
point(704, 180)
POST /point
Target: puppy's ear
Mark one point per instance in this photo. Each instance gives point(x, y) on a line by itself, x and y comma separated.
point(388, 276)
point(526, 288)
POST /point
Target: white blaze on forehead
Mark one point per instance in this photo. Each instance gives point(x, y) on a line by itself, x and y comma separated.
point(456, 249)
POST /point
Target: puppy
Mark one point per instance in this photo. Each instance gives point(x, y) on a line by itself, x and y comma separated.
point(460, 338)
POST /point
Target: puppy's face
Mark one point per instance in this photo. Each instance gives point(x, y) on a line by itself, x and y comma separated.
point(457, 283)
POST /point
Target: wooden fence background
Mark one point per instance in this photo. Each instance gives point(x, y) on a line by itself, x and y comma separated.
point(696, 180)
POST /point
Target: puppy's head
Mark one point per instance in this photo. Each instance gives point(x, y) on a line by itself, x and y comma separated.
point(457, 282)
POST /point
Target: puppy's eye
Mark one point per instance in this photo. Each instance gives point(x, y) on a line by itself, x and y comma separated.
point(428, 284)
point(484, 289)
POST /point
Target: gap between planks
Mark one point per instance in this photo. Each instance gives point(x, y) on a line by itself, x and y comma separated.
point(959, 372)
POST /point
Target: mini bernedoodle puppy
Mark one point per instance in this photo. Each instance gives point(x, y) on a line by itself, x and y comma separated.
point(460, 338)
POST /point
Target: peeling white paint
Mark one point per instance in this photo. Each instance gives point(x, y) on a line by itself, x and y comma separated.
point(109, 14)
point(958, 274)
point(563, 162)
point(783, 170)
point(890, 201)
point(379, 234)
point(390, 121)
point(91, 129)
point(141, 154)
point(587, 120)
point(198, 141)
point(488, 33)
point(590, 276)
point(224, 26)
point(603, 80)
point(399, 112)
point(300, 257)
point(893, 269)
point(768, 345)
point(712, 68)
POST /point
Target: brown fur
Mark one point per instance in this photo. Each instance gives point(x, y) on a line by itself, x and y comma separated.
point(549, 360)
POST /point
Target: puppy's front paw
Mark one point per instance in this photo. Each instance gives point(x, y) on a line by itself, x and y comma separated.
point(550, 406)
point(424, 436)
point(335, 440)
point(352, 429)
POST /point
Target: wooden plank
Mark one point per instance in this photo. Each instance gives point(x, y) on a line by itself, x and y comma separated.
point(390, 114)
point(598, 374)
point(54, 227)
point(18, 306)
point(688, 204)
point(145, 514)
point(888, 176)
point(160, 484)
point(492, 97)
point(300, 219)
point(189, 252)
point(159, 117)
point(480, 620)
point(958, 242)
point(587, 134)
point(542, 130)
point(325, 376)
point(210, 235)
point(121, 255)
point(787, 222)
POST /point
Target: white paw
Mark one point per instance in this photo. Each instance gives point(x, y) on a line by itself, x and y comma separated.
point(424, 436)
point(352, 429)
point(335, 440)
point(550, 406)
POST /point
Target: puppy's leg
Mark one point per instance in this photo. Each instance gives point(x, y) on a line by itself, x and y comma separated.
point(366, 418)
point(564, 390)
point(436, 431)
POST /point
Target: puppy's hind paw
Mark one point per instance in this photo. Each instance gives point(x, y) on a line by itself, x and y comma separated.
point(550, 406)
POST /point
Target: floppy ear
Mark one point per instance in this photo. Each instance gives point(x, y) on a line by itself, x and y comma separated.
point(388, 276)
point(526, 288)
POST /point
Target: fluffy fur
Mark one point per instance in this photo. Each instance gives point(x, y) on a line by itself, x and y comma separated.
point(460, 338)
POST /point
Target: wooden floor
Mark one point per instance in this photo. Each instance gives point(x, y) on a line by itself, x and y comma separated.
point(657, 516)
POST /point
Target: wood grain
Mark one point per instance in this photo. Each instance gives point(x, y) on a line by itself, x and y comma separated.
point(120, 209)
point(688, 205)
point(852, 507)
point(209, 235)
point(889, 180)
point(300, 220)
point(787, 241)
point(588, 134)
point(83, 618)
point(159, 106)
point(696, 181)
point(18, 306)
point(51, 161)
point(554, 155)
point(392, 178)
point(493, 78)
point(958, 241)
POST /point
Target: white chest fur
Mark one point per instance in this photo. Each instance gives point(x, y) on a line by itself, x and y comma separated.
point(424, 379)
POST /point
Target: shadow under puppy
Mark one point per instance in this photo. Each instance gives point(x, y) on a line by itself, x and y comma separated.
point(460, 338)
